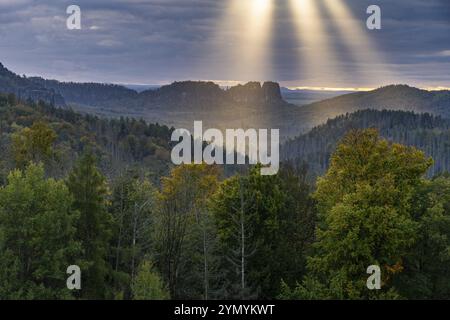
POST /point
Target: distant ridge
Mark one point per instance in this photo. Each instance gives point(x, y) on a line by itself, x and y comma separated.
point(26, 89)
point(393, 97)
point(251, 105)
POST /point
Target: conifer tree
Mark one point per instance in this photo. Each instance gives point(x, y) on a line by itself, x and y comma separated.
point(89, 189)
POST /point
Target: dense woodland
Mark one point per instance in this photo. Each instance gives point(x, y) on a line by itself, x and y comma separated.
point(101, 194)
point(424, 131)
point(118, 143)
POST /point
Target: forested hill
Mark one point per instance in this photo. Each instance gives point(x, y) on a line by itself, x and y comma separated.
point(64, 134)
point(86, 94)
point(178, 96)
point(393, 97)
point(252, 105)
point(424, 131)
point(61, 93)
point(26, 89)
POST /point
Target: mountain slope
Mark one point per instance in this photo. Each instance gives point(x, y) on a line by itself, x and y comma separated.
point(394, 97)
point(25, 89)
point(85, 94)
point(179, 104)
point(253, 105)
point(424, 131)
point(302, 97)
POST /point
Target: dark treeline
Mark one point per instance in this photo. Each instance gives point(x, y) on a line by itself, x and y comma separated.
point(424, 131)
point(100, 194)
point(95, 94)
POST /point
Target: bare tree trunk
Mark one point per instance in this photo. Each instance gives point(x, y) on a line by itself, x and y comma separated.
point(119, 241)
point(133, 257)
point(242, 222)
point(205, 263)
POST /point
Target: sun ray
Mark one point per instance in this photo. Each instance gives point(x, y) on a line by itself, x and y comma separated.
point(244, 33)
point(369, 60)
point(317, 61)
point(256, 57)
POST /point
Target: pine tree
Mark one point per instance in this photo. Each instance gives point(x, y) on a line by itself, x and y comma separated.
point(89, 189)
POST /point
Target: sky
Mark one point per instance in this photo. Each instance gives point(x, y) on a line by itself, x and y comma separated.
point(299, 43)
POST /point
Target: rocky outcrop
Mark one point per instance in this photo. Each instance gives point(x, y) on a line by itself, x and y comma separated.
point(254, 93)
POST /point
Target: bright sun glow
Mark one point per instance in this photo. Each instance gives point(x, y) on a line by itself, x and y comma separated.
point(261, 6)
point(256, 41)
point(245, 35)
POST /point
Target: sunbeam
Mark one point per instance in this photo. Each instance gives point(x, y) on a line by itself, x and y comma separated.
point(317, 60)
point(248, 46)
point(244, 35)
point(367, 57)
point(256, 41)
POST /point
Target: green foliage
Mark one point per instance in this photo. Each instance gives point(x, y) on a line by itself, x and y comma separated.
point(426, 132)
point(72, 132)
point(365, 210)
point(258, 220)
point(148, 284)
point(183, 230)
point(196, 236)
point(89, 189)
point(309, 289)
point(427, 270)
point(132, 208)
point(33, 144)
point(37, 236)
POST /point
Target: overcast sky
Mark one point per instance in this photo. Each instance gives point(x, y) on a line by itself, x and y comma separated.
point(160, 41)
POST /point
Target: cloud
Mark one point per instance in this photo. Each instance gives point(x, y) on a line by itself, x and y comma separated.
point(109, 43)
point(444, 53)
point(154, 41)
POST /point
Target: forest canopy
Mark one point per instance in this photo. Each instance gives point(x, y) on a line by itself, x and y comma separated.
point(101, 194)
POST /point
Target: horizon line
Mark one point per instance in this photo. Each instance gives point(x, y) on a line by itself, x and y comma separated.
point(229, 83)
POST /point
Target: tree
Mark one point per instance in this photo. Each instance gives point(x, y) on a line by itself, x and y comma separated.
point(133, 205)
point(427, 265)
point(37, 236)
point(89, 189)
point(33, 144)
point(12, 100)
point(259, 220)
point(148, 284)
point(365, 215)
point(184, 237)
